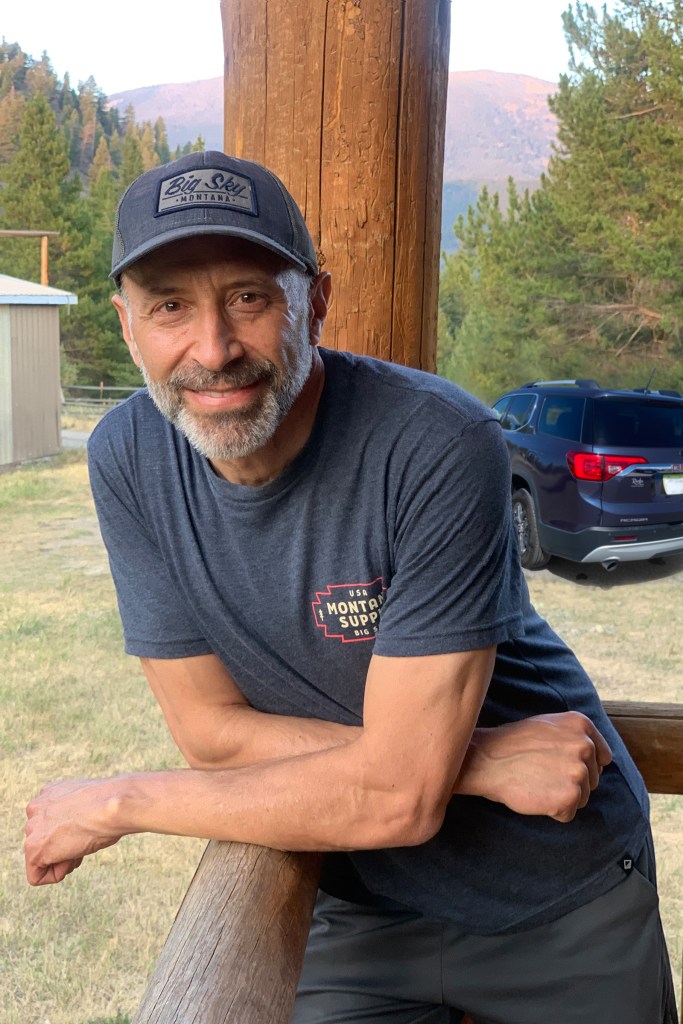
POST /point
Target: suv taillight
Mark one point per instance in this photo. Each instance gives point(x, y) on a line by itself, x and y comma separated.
point(588, 466)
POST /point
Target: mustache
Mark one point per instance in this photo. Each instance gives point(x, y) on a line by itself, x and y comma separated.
point(242, 374)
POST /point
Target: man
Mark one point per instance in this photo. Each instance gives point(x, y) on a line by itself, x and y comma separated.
point(314, 560)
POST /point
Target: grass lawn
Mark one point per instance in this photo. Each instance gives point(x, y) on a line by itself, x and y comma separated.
point(71, 703)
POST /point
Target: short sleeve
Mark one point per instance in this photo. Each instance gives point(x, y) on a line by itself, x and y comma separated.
point(457, 583)
point(156, 620)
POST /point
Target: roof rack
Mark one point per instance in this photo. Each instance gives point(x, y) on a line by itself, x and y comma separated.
point(580, 383)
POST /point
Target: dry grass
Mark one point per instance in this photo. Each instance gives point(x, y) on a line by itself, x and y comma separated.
point(76, 418)
point(72, 704)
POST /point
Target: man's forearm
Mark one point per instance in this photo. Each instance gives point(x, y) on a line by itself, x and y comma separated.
point(517, 763)
point(338, 799)
point(247, 737)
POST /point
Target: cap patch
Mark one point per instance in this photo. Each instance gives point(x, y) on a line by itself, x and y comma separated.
point(207, 186)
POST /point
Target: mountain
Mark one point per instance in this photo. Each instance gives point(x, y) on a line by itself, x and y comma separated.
point(189, 109)
point(497, 125)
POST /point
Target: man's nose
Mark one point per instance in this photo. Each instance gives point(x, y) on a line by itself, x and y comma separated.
point(215, 342)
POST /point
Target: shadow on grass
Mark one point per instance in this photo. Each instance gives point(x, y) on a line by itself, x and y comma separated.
point(592, 574)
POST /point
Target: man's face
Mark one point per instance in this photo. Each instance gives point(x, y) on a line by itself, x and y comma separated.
point(220, 331)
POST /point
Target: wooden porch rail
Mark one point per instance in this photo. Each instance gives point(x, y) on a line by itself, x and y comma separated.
point(234, 952)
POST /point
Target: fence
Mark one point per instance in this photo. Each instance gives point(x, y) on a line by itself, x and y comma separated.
point(91, 399)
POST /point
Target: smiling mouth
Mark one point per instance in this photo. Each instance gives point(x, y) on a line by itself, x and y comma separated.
point(223, 398)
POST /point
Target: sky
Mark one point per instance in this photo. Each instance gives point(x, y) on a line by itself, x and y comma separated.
point(134, 43)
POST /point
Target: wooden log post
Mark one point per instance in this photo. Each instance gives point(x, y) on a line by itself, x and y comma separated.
point(346, 101)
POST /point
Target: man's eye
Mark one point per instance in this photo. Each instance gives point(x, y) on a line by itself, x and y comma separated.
point(167, 307)
point(254, 300)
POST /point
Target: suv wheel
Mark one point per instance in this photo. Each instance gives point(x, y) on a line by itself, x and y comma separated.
point(531, 553)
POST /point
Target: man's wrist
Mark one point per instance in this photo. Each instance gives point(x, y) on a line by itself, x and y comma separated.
point(478, 776)
point(122, 804)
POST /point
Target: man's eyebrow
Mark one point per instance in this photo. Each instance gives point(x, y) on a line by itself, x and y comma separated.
point(160, 290)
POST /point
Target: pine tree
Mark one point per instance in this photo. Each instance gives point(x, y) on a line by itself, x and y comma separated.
point(14, 64)
point(161, 141)
point(91, 338)
point(41, 78)
point(38, 193)
point(87, 104)
point(116, 149)
point(11, 113)
point(101, 163)
point(584, 276)
point(150, 157)
point(132, 165)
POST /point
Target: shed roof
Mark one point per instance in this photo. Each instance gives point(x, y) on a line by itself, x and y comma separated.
point(15, 292)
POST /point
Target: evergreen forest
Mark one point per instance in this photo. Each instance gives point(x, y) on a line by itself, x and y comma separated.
point(65, 159)
point(583, 277)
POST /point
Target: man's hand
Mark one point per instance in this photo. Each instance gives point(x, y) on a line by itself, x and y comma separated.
point(66, 821)
point(544, 765)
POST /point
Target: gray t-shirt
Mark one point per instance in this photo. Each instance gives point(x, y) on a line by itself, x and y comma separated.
point(389, 532)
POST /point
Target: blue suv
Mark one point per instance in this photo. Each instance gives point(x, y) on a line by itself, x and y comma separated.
point(597, 474)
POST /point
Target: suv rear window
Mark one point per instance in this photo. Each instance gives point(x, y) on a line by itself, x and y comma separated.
point(635, 424)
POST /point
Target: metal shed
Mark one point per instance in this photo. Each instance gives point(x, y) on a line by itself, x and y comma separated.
point(30, 394)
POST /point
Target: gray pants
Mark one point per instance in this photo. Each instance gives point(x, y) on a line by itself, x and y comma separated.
point(605, 963)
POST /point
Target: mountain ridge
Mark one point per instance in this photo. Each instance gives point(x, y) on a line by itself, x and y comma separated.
point(497, 125)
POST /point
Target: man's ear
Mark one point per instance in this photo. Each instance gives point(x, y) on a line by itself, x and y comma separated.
point(120, 307)
point(321, 293)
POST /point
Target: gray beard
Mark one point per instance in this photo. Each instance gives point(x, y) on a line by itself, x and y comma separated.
point(232, 434)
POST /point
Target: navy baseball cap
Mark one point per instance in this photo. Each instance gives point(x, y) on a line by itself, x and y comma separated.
point(210, 194)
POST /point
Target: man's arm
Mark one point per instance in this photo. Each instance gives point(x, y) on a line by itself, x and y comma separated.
point(546, 765)
point(389, 786)
point(214, 726)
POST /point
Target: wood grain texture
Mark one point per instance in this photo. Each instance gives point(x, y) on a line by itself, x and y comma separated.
point(653, 734)
point(346, 100)
point(234, 952)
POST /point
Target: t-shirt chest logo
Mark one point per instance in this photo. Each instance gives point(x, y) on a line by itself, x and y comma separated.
point(349, 611)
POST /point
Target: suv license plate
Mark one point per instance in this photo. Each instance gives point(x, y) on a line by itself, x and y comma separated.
point(673, 484)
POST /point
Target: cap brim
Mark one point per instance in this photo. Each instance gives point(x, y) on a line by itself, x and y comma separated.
point(196, 231)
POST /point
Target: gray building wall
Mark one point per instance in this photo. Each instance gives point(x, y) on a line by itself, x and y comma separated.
point(32, 351)
point(6, 432)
